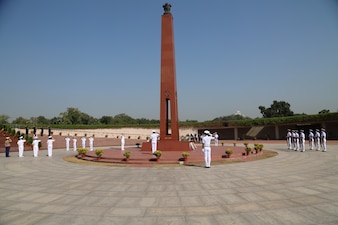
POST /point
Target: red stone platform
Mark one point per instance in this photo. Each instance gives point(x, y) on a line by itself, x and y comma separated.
point(115, 155)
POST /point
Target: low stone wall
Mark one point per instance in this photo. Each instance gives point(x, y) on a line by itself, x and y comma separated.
point(134, 133)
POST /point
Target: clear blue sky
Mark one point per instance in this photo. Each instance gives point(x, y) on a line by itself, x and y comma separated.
point(103, 56)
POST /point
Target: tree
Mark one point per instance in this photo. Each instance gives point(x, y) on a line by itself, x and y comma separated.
point(75, 116)
point(123, 119)
point(56, 120)
point(106, 119)
point(4, 119)
point(21, 120)
point(277, 109)
point(42, 120)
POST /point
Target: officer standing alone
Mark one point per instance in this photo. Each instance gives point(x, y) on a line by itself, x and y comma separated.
point(206, 147)
point(153, 138)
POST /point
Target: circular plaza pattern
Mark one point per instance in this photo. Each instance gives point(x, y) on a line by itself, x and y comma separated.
point(290, 188)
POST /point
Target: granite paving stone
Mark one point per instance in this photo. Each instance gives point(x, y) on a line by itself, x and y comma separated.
point(290, 188)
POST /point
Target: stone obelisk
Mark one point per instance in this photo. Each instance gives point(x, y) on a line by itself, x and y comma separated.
point(168, 97)
point(169, 129)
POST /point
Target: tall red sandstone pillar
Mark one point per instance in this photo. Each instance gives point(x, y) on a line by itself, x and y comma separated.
point(168, 97)
point(169, 130)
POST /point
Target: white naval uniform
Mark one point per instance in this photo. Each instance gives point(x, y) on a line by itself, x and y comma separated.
point(302, 141)
point(323, 140)
point(50, 147)
point(83, 140)
point(317, 140)
point(36, 148)
point(311, 140)
point(74, 144)
point(206, 140)
point(91, 143)
point(216, 139)
point(123, 141)
point(153, 139)
point(21, 144)
point(296, 147)
point(67, 143)
point(289, 140)
point(293, 135)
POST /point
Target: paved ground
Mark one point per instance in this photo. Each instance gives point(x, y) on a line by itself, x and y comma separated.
point(291, 188)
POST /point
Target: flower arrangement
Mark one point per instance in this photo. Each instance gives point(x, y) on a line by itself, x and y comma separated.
point(234, 144)
point(185, 154)
point(157, 153)
point(258, 147)
point(99, 152)
point(228, 151)
point(248, 150)
point(127, 154)
point(82, 151)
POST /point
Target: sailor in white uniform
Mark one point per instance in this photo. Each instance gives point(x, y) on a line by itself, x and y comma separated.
point(323, 139)
point(289, 139)
point(91, 143)
point(36, 146)
point(311, 139)
point(83, 140)
point(74, 144)
point(206, 146)
point(216, 138)
point(153, 138)
point(21, 146)
point(123, 141)
point(50, 146)
point(302, 141)
point(317, 140)
point(67, 143)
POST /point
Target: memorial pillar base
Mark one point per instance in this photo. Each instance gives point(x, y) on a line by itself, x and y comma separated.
point(168, 146)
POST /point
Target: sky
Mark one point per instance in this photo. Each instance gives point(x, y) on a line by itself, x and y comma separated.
point(103, 57)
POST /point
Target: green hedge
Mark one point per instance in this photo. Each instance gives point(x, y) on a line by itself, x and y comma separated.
point(285, 120)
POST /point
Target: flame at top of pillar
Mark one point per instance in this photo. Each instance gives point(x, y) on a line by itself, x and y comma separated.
point(167, 8)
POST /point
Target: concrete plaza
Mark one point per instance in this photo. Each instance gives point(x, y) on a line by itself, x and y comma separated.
point(290, 188)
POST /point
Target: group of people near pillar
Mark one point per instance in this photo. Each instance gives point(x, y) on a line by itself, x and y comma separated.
point(206, 139)
point(296, 140)
point(83, 143)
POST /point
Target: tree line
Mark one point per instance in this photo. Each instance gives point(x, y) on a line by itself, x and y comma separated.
point(73, 116)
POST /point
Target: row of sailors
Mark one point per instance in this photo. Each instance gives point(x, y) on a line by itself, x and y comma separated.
point(296, 141)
